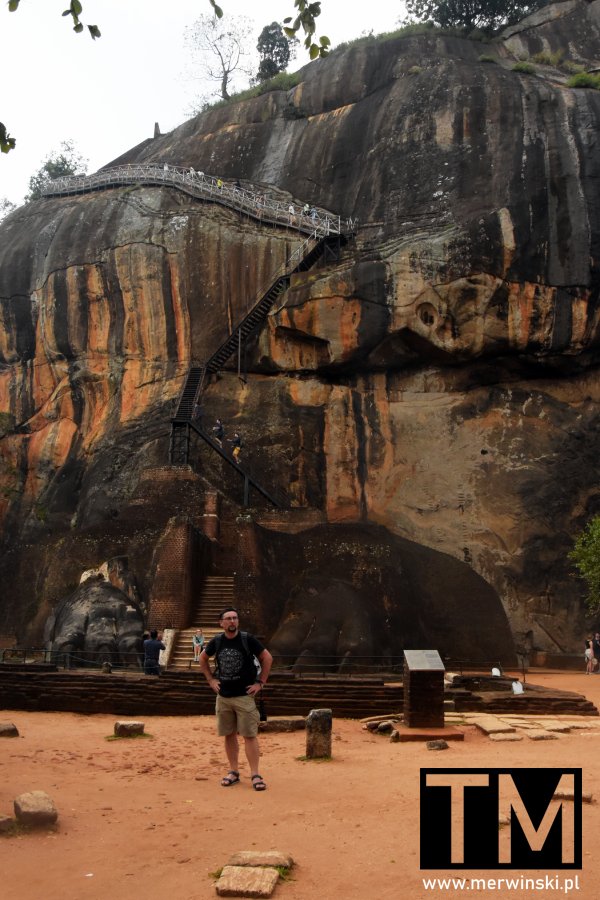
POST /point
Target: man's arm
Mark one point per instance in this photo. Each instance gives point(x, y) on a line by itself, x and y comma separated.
point(214, 683)
point(266, 661)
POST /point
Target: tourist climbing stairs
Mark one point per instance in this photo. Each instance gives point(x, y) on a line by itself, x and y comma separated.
point(217, 593)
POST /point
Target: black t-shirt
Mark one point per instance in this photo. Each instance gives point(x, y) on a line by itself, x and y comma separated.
point(236, 668)
point(152, 649)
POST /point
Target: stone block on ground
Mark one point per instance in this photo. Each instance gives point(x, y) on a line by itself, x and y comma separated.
point(35, 808)
point(385, 727)
point(448, 733)
point(283, 723)
point(542, 735)
point(7, 729)
point(395, 737)
point(6, 823)
point(555, 725)
point(492, 725)
point(247, 881)
point(505, 737)
point(261, 858)
point(437, 745)
point(128, 729)
point(318, 733)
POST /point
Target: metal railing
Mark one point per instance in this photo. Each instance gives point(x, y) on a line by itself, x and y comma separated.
point(72, 659)
point(322, 665)
point(258, 204)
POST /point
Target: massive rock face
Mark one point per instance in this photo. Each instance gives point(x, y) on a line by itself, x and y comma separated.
point(439, 380)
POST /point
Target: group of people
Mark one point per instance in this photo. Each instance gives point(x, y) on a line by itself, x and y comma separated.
point(218, 433)
point(306, 212)
point(592, 654)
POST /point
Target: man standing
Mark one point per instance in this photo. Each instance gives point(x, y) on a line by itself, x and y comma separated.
point(236, 685)
point(152, 648)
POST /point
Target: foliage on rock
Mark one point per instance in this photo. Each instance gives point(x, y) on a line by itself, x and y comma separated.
point(469, 14)
point(586, 556)
point(66, 161)
point(275, 49)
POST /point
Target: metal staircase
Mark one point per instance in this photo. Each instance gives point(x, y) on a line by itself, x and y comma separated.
point(185, 421)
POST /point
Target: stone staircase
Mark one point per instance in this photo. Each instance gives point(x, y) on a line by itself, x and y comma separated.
point(217, 592)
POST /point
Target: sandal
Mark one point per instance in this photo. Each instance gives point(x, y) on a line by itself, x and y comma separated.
point(258, 783)
point(232, 777)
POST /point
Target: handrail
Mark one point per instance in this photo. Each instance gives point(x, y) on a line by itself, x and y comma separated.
point(277, 498)
point(197, 184)
point(284, 271)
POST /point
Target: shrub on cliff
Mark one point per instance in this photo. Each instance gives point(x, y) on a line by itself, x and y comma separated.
point(584, 80)
point(586, 556)
point(66, 161)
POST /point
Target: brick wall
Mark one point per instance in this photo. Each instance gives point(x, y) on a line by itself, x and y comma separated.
point(180, 558)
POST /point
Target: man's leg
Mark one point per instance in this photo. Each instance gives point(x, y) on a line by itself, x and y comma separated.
point(232, 749)
point(252, 754)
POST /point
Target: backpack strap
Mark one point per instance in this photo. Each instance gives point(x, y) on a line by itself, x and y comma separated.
point(219, 638)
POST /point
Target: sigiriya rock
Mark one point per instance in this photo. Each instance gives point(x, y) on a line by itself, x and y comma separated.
point(427, 398)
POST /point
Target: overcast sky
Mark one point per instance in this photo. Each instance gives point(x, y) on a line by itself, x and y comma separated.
point(106, 95)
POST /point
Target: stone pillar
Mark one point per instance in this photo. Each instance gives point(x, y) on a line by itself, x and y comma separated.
point(423, 689)
point(318, 734)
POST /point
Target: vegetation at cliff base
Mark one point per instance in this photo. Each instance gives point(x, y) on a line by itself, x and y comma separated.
point(586, 556)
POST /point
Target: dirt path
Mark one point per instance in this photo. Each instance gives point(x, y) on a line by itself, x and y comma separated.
point(148, 818)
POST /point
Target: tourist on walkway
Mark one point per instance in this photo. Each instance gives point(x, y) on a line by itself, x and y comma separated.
point(218, 432)
point(292, 214)
point(236, 683)
point(198, 644)
point(152, 648)
point(236, 446)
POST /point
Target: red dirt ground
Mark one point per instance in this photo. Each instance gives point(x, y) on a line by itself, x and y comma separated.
point(148, 818)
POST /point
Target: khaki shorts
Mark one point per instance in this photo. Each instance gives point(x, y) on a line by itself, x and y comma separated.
point(237, 714)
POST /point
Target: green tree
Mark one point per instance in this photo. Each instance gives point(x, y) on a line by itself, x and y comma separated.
point(489, 15)
point(275, 50)
point(586, 556)
point(66, 161)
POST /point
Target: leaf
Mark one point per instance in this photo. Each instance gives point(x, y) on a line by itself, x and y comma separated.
point(67, 12)
point(324, 41)
point(289, 32)
point(7, 143)
point(313, 51)
point(94, 31)
point(76, 7)
point(287, 19)
point(78, 28)
point(13, 6)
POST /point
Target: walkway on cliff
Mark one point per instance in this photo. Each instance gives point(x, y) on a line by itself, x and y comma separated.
point(254, 203)
point(324, 234)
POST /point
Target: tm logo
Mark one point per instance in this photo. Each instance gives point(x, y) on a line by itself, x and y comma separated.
point(461, 811)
